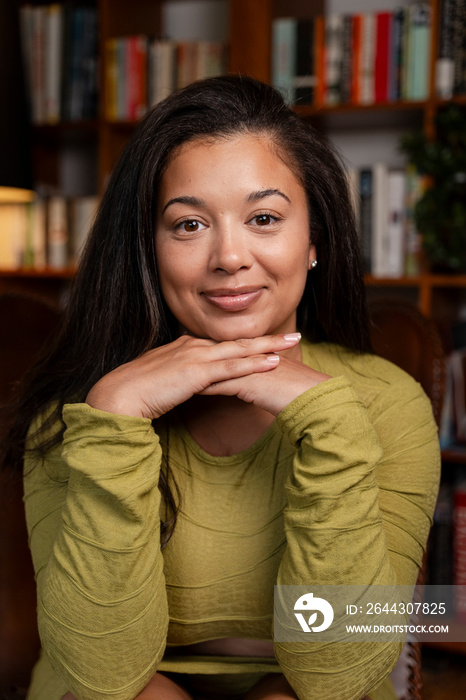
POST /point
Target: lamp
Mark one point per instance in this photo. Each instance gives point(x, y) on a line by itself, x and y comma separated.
point(15, 145)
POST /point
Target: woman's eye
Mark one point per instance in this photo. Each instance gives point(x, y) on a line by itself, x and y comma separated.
point(190, 226)
point(264, 219)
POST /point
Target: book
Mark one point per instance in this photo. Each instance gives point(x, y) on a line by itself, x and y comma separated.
point(333, 53)
point(13, 240)
point(445, 66)
point(53, 62)
point(383, 47)
point(319, 59)
point(57, 233)
point(347, 59)
point(135, 77)
point(161, 69)
point(38, 64)
point(305, 79)
point(365, 216)
point(356, 68)
point(284, 56)
point(396, 54)
point(186, 63)
point(406, 47)
point(459, 48)
point(90, 66)
point(394, 238)
point(419, 52)
point(39, 233)
point(26, 32)
point(111, 79)
point(210, 59)
point(367, 64)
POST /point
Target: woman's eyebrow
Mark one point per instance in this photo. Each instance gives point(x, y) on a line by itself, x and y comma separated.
point(191, 201)
point(261, 194)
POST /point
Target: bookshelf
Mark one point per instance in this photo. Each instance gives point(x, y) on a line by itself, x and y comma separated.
point(100, 141)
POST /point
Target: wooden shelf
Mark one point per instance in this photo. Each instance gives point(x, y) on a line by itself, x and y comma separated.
point(394, 106)
point(431, 280)
point(425, 284)
point(47, 273)
point(59, 127)
point(313, 110)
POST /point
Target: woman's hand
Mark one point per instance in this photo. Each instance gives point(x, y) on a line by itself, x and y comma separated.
point(272, 391)
point(167, 376)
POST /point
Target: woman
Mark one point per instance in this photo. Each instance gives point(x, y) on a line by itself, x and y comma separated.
point(179, 393)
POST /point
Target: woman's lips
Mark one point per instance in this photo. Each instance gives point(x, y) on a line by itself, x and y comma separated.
point(235, 299)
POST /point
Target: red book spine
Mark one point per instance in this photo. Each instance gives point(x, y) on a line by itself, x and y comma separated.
point(382, 52)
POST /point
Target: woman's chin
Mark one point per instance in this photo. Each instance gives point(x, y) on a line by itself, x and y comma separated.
point(224, 334)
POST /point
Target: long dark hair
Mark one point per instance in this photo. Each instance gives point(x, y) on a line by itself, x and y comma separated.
point(116, 312)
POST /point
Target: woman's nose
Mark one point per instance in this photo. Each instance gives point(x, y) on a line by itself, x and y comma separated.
point(229, 252)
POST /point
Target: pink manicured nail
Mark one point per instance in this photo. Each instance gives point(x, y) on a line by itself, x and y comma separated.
point(273, 359)
point(292, 337)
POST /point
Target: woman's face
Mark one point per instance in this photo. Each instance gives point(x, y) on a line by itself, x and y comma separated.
point(232, 241)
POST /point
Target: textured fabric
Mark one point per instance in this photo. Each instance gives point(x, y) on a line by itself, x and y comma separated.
point(340, 489)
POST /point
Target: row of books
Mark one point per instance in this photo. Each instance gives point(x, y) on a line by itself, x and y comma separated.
point(384, 201)
point(47, 233)
point(447, 544)
point(360, 58)
point(141, 71)
point(450, 78)
point(61, 61)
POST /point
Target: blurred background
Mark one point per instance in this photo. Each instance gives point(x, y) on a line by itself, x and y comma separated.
point(384, 79)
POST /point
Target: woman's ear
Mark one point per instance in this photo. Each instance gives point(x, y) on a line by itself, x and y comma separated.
point(312, 259)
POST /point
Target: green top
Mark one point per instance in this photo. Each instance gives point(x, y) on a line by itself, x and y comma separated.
point(340, 489)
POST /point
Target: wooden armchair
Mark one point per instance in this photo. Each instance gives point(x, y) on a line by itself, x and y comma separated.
point(401, 334)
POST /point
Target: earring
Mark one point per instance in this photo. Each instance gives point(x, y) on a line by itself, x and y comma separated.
point(313, 264)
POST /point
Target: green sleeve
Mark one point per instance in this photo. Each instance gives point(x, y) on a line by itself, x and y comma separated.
point(93, 508)
point(360, 499)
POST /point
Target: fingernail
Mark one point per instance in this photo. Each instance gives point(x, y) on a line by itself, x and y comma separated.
point(292, 337)
point(273, 359)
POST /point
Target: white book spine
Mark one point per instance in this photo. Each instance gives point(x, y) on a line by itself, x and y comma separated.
point(444, 78)
point(333, 58)
point(395, 238)
point(368, 61)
